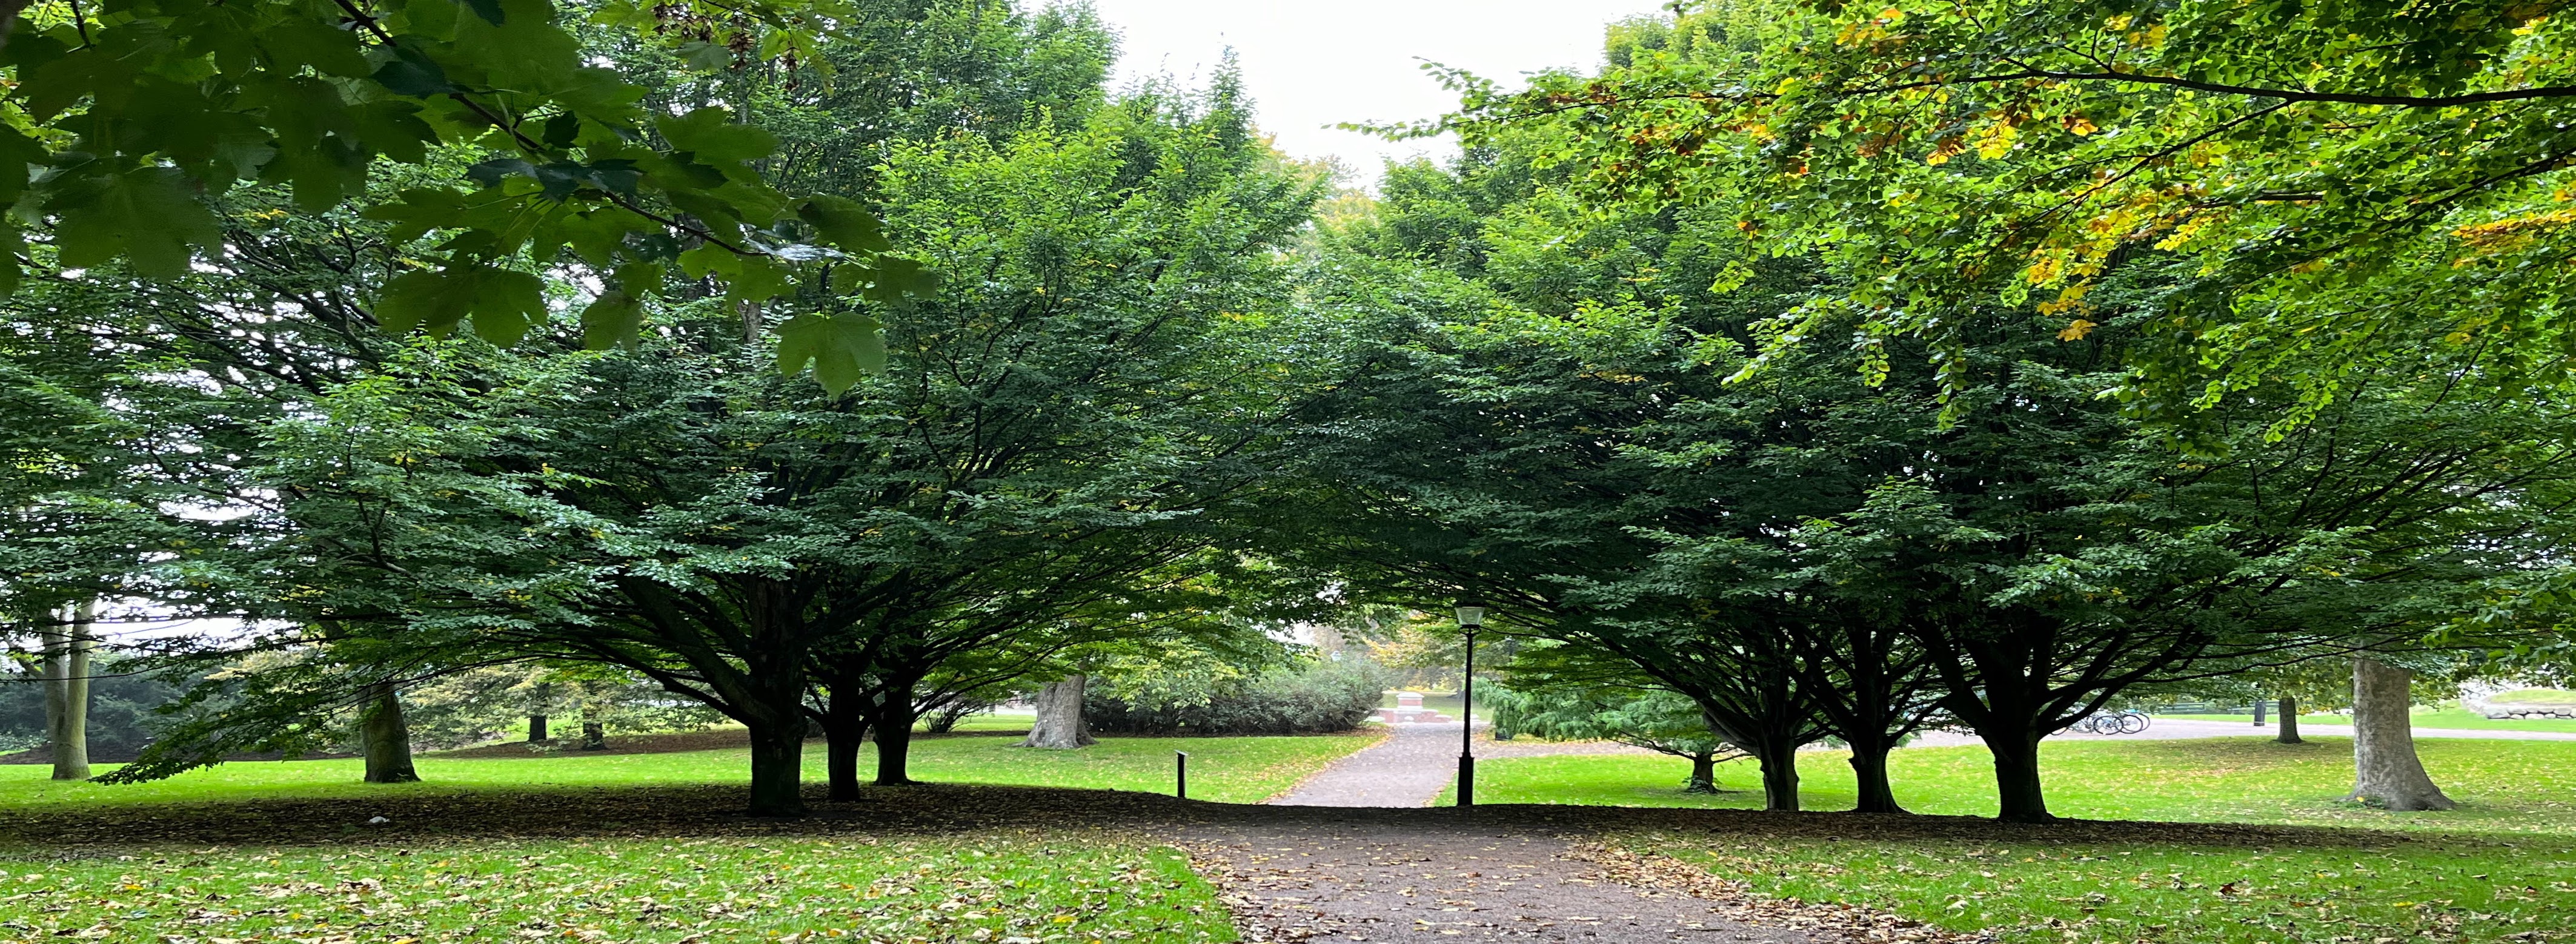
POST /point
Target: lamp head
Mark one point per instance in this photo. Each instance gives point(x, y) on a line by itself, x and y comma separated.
point(1471, 613)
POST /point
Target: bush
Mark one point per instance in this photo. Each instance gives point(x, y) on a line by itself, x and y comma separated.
point(1314, 699)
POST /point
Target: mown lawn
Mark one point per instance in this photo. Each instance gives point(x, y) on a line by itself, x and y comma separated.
point(1231, 769)
point(1074, 885)
point(1018, 886)
point(2504, 786)
point(2454, 718)
point(2500, 869)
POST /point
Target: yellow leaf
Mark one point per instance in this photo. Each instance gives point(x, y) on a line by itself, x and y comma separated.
point(2076, 331)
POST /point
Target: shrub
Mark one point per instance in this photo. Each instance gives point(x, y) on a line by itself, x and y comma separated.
point(1313, 699)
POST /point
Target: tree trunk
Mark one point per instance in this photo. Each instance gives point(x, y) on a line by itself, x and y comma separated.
point(1703, 778)
point(67, 695)
point(536, 729)
point(778, 768)
point(1059, 724)
point(2017, 791)
point(845, 725)
point(893, 725)
point(2289, 720)
point(594, 735)
point(1779, 777)
point(2385, 768)
point(1869, 768)
point(386, 736)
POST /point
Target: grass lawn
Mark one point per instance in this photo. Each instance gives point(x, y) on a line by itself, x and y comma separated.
point(1073, 885)
point(2504, 786)
point(1233, 769)
point(2444, 718)
point(1024, 886)
point(2502, 865)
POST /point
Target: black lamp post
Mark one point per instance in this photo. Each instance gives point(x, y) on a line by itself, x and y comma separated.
point(1471, 617)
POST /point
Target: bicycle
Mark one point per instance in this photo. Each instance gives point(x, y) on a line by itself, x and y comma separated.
point(2112, 722)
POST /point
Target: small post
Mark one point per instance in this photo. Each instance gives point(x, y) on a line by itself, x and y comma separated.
point(1180, 775)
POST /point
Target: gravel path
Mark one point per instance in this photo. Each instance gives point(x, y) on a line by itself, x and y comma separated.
point(1383, 875)
point(1415, 763)
point(1409, 768)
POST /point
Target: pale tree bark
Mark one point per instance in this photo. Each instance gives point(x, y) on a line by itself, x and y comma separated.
point(66, 679)
point(1059, 725)
point(2385, 768)
point(386, 736)
point(2289, 721)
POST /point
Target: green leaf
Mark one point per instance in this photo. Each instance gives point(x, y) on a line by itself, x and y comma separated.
point(412, 72)
point(712, 135)
point(845, 224)
point(429, 301)
point(146, 215)
point(502, 303)
point(507, 304)
point(618, 313)
point(894, 277)
point(842, 348)
point(758, 279)
point(489, 10)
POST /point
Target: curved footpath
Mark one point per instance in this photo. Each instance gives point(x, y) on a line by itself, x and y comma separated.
point(1365, 877)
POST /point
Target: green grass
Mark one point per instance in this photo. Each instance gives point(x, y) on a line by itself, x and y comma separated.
point(2504, 786)
point(2454, 718)
point(1077, 887)
point(2504, 864)
point(1232, 769)
point(1073, 887)
point(2051, 892)
point(2534, 696)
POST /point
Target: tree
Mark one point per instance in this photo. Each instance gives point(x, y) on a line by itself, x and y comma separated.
point(2348, 182)
point(738, 537)
point(2385, 768)
point(1633, 714)
point(1059, 720)
point(312, 96)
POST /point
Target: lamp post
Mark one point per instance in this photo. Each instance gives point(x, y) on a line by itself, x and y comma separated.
point(1471, 617)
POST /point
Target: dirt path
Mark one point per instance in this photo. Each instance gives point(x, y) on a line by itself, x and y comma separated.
point(1370, 876)
point(1413, 764)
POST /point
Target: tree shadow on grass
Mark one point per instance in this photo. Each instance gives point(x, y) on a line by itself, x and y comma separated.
point(653, 812)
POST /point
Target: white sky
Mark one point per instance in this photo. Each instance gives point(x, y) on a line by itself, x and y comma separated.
point(1315, 63)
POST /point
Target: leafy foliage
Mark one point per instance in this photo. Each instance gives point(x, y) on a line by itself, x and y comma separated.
point(2342, 182)
point(1316, 698)
point(138, 111)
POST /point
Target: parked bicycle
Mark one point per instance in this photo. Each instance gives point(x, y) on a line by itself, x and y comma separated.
point(2112, 722)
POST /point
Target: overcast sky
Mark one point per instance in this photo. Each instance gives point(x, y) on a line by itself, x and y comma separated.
point(1310, 64)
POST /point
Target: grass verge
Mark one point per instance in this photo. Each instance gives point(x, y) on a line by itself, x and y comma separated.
point(2451, 888)
point(1234, 770)
point(1009, 887)
point(2503, 786)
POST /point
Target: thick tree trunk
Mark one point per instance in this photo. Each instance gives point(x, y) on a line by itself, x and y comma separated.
point(1703, 778)
point(1059, 724)
point(845, 726)
point(1869, 768)
point(2017, 790)
point(778, 768)
point(2289, 721)
point(1779, 777)
point(386, 736)
point(67, 695)
point(594, 736)
point(2385, 768)
point(536, 729)
point(892, 722)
